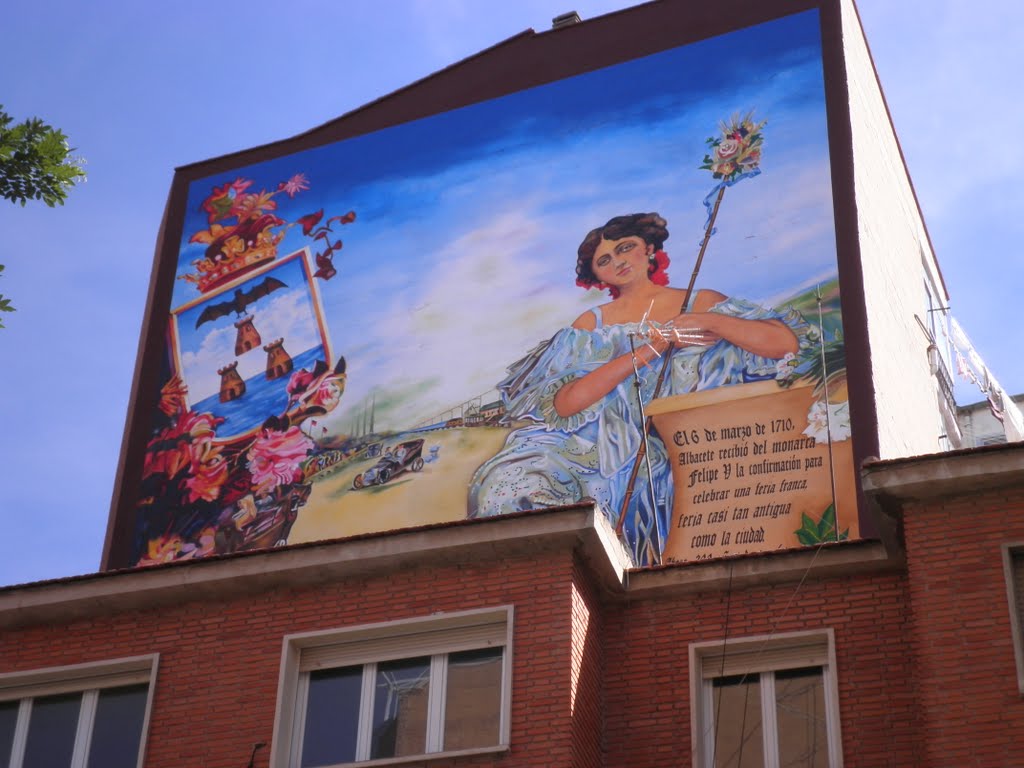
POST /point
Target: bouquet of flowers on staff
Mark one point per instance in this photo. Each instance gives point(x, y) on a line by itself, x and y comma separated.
point(737, 151)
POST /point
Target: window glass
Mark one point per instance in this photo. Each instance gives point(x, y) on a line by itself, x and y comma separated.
point(117, 729)
point(332, 716)
point(800, 717)
point(8, 720)
point(473, 699)
point(400, 708)
point(51, 731)
point(736, 719)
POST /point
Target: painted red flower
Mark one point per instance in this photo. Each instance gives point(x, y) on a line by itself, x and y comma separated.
point(309, 221)
point(162, 550)
point(208, 472)
point(326, 269)
point(221, 202)
point(188, 445)
point(658, 269)
point(347, 218)
point(299, 381)
point(172, 396)
point(166, 454)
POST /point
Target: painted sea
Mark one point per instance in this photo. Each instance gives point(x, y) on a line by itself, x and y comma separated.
point(262, 399)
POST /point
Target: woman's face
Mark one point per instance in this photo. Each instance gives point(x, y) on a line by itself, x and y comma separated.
point(623, 261)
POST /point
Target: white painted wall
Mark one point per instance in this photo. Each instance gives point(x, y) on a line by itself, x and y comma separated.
point(896, 259)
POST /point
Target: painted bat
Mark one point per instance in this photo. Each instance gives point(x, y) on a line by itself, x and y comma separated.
point(242, 300)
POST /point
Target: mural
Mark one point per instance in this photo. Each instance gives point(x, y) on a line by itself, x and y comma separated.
point(472, 314)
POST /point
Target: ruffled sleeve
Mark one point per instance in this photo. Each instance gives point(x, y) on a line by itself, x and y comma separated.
point(725, 363)
point(531, 385)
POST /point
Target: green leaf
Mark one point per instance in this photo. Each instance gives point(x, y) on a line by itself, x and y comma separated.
point(805, 538)
point(824, 530)
point(827, 524)
point(36, 162)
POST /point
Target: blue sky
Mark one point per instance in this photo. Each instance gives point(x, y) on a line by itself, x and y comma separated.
point(141, 89)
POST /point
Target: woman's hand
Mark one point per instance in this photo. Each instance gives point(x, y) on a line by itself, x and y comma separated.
point(766, 338)
point(692, 329)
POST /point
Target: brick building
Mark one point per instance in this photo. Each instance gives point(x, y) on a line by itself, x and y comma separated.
point(919, 636)
point(886, 632)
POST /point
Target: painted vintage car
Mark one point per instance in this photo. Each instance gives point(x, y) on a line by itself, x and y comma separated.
point(401, 458)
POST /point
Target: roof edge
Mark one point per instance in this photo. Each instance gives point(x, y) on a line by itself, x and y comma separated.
point(954, 473)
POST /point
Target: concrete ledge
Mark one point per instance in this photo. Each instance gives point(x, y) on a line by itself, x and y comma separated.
point(769, 568)
point(581, 526)
point(580, 530)
point(955, 473)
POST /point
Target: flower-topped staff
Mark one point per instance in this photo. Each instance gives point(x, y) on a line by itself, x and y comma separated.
point(734, 156)
point(737, 151)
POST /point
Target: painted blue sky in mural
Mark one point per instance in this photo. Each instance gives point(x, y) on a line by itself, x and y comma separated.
point(468, 221)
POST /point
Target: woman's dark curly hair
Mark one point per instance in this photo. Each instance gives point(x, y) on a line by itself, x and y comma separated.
point(649, 227)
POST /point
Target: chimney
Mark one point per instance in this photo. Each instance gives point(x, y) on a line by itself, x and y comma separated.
point(565, 20)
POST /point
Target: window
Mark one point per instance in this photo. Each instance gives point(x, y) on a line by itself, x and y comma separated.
point(394, 691)
point(766, 702)
point(1013, 569)
point(82, 716)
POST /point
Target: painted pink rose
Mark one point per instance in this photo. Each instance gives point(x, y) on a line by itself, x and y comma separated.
point(727, 149)
point(199, 425)
point(275, 459)
point(299, 382)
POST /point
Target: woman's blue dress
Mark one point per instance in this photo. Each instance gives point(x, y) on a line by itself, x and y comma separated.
point(554, 461)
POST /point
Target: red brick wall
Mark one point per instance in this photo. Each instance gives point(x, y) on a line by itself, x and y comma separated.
point(647, 688)
point(924, 659)
point(217, 683)
point(972, 712)
point(587, 673)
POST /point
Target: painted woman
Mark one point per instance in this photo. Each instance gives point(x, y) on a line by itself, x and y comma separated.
point(576, 395)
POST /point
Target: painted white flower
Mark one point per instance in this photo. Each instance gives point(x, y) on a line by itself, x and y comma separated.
point(784, 367)
point(819, 419)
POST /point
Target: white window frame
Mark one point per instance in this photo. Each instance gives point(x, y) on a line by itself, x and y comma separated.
point(365, 645)
point(88, 679)
point(762, 655)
